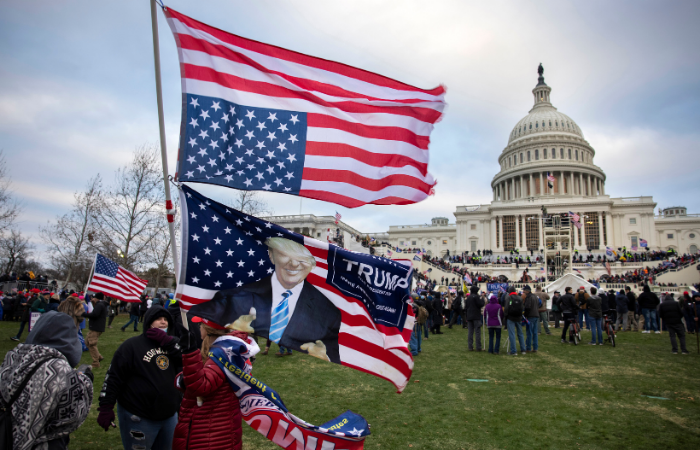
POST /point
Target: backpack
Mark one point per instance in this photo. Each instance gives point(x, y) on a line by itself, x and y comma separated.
point(422, 315)
point(515, 308)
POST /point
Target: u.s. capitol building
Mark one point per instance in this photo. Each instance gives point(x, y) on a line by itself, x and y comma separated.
point(545, 142)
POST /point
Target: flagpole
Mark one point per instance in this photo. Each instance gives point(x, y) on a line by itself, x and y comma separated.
point(163, 150)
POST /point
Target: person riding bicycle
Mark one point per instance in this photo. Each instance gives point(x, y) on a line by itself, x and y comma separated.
point(569, 310)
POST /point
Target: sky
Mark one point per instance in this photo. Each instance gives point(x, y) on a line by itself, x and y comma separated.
point(77, 89)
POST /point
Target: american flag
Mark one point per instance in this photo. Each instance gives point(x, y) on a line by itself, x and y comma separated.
point(575, 218)
point(467, 278)
point(337, 217)
point(223, 248)
point(643, 243)
point(115, 281)
point(550, 180)
point(260, 117)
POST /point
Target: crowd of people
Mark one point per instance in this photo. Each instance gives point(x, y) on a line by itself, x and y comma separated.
point(526, 314)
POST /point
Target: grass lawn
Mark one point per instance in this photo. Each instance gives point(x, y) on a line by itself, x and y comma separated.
point(562, 397)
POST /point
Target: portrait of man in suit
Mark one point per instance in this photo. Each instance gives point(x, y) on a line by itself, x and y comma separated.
point(289, 310)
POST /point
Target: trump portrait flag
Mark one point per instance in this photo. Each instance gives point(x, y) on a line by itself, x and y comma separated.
point(340, 306)
point(260, 117)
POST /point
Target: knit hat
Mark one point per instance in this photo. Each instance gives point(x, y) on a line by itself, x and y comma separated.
point(99, 296)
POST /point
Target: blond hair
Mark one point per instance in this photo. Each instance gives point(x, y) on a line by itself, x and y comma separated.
point(291, 248)
point(212, 335)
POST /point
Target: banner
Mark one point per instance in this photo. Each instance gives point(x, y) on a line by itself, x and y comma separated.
point(496, 287)
point(263, 409)
point(339, 306)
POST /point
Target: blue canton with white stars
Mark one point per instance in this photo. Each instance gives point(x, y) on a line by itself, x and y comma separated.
point(242, 147)
point(106, 267)
point(225, 247)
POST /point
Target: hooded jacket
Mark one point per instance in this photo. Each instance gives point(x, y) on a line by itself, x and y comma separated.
point(568, 304)
point(621, 302)
point(56, 400)
point(494, 313)
point(98, 317)
point(670, 311)
point(647, 299)
point(141, 377)
point(531, 305)
point(595, 307)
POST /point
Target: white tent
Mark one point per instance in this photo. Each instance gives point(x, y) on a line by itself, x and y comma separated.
point(568, 280)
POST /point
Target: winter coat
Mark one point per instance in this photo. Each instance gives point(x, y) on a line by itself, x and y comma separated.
point(141, 377)
point(134, 309)
point(631, 301)
point(670, 311)
point(40, 305)
point(595, 307)
point(494, 314)
point(647, 299)
point(544, 297)
point(436, 312)
point(568, 304)
point(473, 304)
point(582, 300)
point(56, 400)
point(621, 302)
point(217, 423)
point(98, 317)
point(530, 305)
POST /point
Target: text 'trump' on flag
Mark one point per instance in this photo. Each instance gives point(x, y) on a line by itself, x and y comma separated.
point(115, 281)
point(260, 117)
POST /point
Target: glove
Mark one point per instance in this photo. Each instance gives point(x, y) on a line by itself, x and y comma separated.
point(87, 371)
point(159, 336)
point(188, 340)
point(106, 416)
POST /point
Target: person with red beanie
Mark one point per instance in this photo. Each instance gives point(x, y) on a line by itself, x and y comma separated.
point(210, 414)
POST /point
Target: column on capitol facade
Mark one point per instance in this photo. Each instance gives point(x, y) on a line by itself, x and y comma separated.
point(541, 187)
point(571, 180)
point(531, 181)
point(600, 230)
point(517, 232)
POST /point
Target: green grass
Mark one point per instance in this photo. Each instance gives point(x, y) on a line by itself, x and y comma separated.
point(563, 397)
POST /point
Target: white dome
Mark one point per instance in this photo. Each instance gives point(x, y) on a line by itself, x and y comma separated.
point(545, 119)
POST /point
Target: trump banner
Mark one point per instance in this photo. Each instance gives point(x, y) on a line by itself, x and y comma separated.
point(307, 295)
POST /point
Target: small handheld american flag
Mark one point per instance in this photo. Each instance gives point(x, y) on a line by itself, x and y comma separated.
point(337, 217)
point(112, 279)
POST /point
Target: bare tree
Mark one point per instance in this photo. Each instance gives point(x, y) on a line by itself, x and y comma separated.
point(69, 239)
point(251, 203)
point(9, 207)
point(14, 248)
point(160, 249)
point(129, 217)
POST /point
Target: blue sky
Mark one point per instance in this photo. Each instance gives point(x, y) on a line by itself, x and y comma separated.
point(77, 91)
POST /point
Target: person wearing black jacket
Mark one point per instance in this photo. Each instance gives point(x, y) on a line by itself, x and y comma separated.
point(648, 301)
point(473, 305)
point(141, 381)
point(143, 307)
point(98, 321)
point(133, 316)
point(569, 310)
point(671, 313)
point(631, 308)
point(437, 314)
point(456, 309)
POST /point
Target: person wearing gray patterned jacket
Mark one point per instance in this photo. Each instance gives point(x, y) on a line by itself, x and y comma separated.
point(56, 399)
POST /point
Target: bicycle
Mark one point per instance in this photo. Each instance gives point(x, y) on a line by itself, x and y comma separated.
point(574, 330)
point(608, 322)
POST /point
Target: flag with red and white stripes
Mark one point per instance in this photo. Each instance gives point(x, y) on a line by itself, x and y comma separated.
point(115, 281)
point(337, 217)
point(260, 117)
point(225, 249)
point(550, 180)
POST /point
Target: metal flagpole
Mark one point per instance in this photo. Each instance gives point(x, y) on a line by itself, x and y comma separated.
point(163, 150)
point(164, 153)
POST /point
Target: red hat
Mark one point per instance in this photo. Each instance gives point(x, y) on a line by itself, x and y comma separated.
point(684, 293)
point(581, 288)
point(215, 326)
point(35, 290)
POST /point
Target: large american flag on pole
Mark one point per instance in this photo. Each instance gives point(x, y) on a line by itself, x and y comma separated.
point(223, 248)
point(115, 281)
point(260, 117)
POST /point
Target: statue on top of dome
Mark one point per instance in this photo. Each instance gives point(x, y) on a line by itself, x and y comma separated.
point(540, 70)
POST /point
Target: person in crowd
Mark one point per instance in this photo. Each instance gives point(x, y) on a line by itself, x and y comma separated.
point(437, 313)
point(54, 301)
point(143, 307)
point(632, 309)
point(621, 303)
point(133, 316)
point(687, 305)
point(428, 303)
point(210, 413)
point(543, 310)
point(514, 316)
point(112, 310)
point(41, 304)
point(75, 309)
point(671, 313)
point(457, 309)
point(595, 314)
point(98, 320)
point(473, 305)
point(47, 398)
point(532, 316)
point(413, 342)
point(648, 302)
point(8, 303)
point(604, 303)
point(569, 310)
point(421, 317)
point(141, 382)
point(581, 298)
point(495, 320)
point(22, 306)
point(556, 309)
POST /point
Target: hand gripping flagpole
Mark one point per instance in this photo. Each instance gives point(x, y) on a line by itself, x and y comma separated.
point(163, 151)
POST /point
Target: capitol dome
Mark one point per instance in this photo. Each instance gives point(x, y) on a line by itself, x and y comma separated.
point(546, 155)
